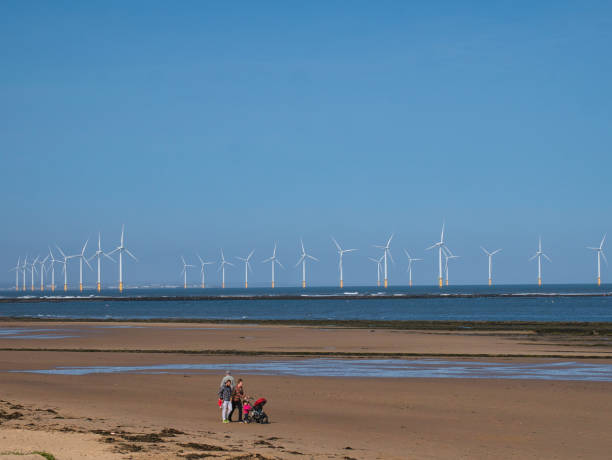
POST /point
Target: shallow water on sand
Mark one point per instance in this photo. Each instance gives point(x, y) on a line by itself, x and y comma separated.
point(379, 368)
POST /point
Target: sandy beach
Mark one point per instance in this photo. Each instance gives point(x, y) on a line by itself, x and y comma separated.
point(134, 415)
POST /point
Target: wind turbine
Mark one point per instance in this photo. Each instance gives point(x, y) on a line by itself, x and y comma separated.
point(98, 255)
point(490, 254)
point(341, 252)
point(64, 268)
point(202, 263)
point(16, 269)
point(121, 249)
point(247, 267)
point(52, 261)
point(600, 253)
point(81, 258)
point(409, 269)
point(274, 260)
point(184, 271)
point(42, 263)
point(448, 256)
point(386, 252)
point(539, 255)
point(378, 264)
point(223, 263)
point(303, 257)
point(442, 248)
point(24, 266)
point(33, 269)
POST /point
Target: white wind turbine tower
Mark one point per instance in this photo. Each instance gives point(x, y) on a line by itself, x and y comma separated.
point(600, 253)
point(273, 260)
point(121, 249)
point(184, 271)
point(378, 265)
point(202, 264)
point(442, 248)
point(81, 258)
point(52, 262)
point(24, 266)
point(98, 255)
point(341, 253)
point(222, 265)
point(490, 255)
point(539, 255)
point(386, 251)
point(65, 267)
point(33, 269)
point(303, 257)
point(41, 264)
point(448, 256)
point(247, 267)
point(409, 269)
point(16, 269)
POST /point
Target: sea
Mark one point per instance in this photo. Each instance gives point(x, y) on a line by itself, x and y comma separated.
point(552, 303)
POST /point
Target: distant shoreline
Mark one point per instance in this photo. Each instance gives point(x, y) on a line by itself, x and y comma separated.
point(179, 298)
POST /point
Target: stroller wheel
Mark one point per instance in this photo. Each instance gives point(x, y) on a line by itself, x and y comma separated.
point(264, 419)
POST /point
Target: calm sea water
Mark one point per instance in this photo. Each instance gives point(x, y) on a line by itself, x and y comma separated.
point(378, 368)
point(519, 308)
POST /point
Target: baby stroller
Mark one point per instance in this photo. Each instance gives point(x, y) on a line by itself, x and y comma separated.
point(253, 412)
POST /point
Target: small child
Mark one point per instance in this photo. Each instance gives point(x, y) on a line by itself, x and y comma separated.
point(225, 395)
point(246, 409)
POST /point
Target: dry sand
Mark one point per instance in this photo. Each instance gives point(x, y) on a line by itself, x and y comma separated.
point(124, 415)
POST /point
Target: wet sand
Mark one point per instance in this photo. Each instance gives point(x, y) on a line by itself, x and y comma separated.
point(282, 339)
point(124, 415)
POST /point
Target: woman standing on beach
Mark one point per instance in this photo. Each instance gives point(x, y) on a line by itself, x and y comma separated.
point(225, 394)
point(237, 398)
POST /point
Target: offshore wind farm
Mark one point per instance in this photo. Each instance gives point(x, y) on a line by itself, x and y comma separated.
point(383, 259)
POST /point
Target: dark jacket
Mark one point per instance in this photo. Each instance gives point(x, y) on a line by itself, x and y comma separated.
point(225, 393)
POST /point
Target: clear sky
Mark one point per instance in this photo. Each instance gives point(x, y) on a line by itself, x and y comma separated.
point(203, 125)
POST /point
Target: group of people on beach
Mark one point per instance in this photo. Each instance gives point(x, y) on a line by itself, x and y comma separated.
point(231, 398)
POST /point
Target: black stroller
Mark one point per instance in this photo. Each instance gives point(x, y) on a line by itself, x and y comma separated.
point(255, 413)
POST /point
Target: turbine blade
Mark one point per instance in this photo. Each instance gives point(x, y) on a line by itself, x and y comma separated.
point(131, 255)
point(336, 243)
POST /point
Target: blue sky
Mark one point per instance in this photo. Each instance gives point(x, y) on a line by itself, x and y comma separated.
point(203, 125)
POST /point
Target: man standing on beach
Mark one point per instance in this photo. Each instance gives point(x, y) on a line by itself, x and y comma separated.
point(228, 376)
